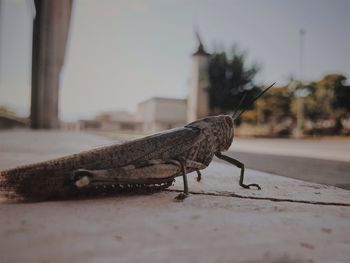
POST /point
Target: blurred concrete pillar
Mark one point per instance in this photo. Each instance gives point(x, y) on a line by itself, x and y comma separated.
point(198, 100)
point(1, 41)
point(50, 32)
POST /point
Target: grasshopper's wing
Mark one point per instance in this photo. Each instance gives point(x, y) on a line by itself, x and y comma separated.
point(165, 145)
point(52, 178)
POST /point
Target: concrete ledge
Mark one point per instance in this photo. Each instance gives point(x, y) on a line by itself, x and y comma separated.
point(287, 221)
point(220, 178)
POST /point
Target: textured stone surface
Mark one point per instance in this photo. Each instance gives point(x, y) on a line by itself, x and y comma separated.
point(220, 178)
point(208, 226)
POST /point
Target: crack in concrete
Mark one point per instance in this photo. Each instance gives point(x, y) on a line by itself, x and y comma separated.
point(227, 194)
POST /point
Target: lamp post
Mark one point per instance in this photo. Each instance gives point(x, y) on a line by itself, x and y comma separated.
point(302, 33)
point(300, 93)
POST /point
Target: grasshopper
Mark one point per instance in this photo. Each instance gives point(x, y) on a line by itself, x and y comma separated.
point(149, 163)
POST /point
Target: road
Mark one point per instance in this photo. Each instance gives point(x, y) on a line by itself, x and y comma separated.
point(320, 161)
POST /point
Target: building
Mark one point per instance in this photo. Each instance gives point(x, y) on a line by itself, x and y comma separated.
point(159, 114)
point(121, 121)
point(198, 100)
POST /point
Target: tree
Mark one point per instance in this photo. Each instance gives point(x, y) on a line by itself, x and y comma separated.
point(341, 100)
point(276, 104)
point(328, 99)
point(317, 104)
point(274, 109)
point(229, 79)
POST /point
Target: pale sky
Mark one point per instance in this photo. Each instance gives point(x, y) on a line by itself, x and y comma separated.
point(123, 52)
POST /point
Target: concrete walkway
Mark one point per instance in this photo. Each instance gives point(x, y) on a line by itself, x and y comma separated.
point(287, 221)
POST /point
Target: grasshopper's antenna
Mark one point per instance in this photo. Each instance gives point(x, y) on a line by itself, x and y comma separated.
point(257, 97)
point(239, 104)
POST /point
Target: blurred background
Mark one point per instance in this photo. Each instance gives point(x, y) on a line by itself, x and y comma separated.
point(79, 74)
point(137, 67)
point(145, 66)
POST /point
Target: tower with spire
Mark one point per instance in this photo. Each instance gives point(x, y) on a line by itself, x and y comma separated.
point(198, 100)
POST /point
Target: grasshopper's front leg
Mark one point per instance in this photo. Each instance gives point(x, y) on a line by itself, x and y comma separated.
point(239, 165)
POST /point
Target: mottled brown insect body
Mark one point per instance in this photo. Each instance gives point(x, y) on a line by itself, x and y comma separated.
point(152, 161)
point(149, 163)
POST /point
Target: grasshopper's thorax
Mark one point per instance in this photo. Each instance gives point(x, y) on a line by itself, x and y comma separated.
point(218, 130)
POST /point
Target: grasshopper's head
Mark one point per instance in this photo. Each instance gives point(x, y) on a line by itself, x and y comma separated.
point(225, 131)
point(218, 130)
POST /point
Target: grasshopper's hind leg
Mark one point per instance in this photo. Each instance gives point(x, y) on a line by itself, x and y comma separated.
point(239, 165)
point(146, 174)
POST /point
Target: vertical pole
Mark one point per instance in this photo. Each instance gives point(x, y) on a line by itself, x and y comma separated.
point(300, 99)
point(35, 100)
point(0, 41)
point(302, 33)
point(50, 31)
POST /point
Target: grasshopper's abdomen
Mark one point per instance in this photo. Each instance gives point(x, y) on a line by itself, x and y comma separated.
point(52, 179)
point(194, 144)
point(38, 183)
